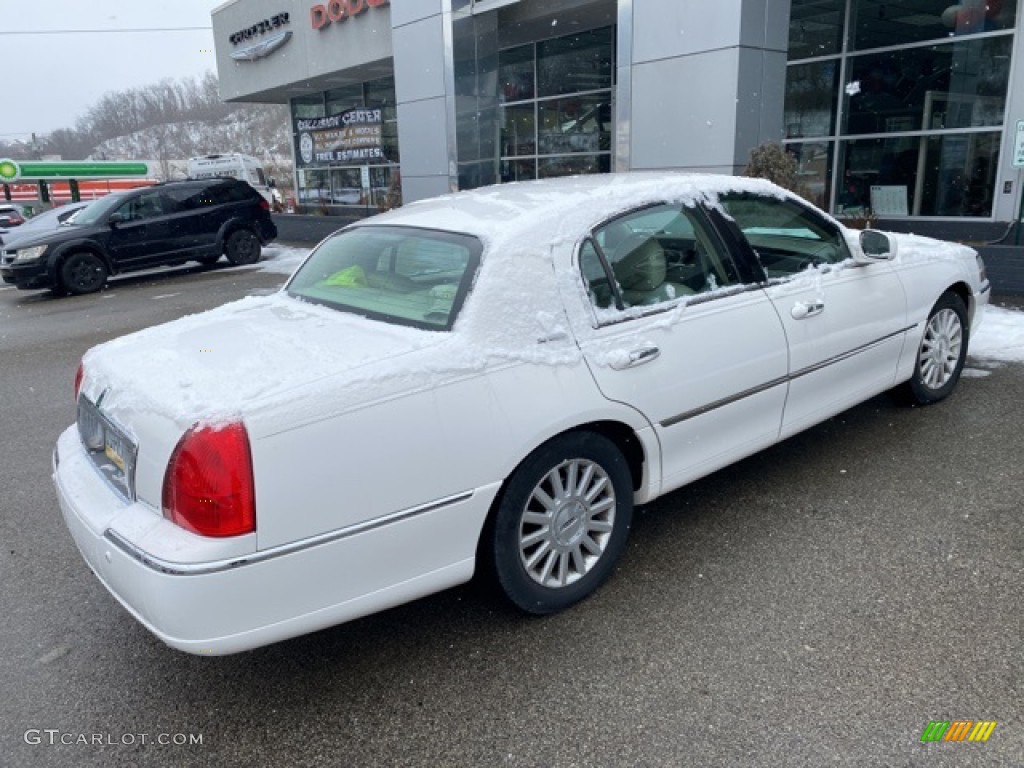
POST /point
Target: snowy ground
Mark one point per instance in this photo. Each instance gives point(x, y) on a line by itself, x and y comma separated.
point(282, 259)
point(999, 340)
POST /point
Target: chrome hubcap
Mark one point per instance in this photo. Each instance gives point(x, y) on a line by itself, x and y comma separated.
point(940, 348)
point(566, 523)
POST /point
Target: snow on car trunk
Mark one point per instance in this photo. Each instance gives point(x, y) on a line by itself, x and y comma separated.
point(238, 358)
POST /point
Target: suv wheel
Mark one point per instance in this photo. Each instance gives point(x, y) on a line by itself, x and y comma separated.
point(242, 247)
point(83, 273)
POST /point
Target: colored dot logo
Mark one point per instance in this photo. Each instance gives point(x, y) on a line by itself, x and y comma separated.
point(206, 350)
point(8, 170)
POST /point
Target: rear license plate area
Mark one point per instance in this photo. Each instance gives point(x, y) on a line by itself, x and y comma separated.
point(109, 448)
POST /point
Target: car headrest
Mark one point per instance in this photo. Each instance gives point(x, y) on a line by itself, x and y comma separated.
point(642, 265)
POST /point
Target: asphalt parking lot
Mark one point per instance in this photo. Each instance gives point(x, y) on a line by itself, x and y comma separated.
point(817, 604)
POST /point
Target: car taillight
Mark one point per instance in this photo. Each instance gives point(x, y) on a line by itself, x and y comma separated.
point(78, 380)
point(264, 204)
point(208, 486)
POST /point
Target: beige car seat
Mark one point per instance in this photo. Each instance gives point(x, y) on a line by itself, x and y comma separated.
point(640, 267)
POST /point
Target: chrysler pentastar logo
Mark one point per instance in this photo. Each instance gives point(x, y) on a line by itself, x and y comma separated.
point(263, 48)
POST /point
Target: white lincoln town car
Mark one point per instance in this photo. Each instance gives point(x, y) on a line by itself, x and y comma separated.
point(484, 382)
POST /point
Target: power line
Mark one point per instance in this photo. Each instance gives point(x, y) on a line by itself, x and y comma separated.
point(102, 31)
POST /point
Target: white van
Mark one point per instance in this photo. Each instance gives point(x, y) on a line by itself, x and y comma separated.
point(237, 166)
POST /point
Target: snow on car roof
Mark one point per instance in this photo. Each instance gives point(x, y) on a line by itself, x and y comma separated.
point(517, 311)
point(566, 206)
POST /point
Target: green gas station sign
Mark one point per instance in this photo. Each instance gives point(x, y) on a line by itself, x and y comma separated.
point(65, 170)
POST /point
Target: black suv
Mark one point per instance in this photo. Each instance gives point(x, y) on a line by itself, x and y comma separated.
point(164, 224)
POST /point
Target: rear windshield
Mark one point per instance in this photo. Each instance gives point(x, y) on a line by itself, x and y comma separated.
point(403, 275)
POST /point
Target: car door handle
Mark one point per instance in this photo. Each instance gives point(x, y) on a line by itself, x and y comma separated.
point(804, 309)
point(636, 357)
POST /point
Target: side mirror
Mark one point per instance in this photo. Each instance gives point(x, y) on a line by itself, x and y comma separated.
point(876, 246)
point(115, 218)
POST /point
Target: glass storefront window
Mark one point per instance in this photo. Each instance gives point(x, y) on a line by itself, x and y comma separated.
point(567, 133)
point(576, 63)
point(515, 74)
point(575, 124)
point(327, 182)
point(815, 28)
point(814, 169)
point(883, 23)
point(518, 130)
point(308, 106)
point(923, 99)
point(343, 99)
point(959, 175)
point(572, 165)
point(346, 187)
point(811, 92)
point(381, 93)
point(389, 138)
point(947, 175)
point(954, 85)
point(380, 183)
point(314, 187)
point(518, 170)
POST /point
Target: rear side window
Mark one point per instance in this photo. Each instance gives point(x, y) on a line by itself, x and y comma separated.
point(192, 196)
point(187, 197)
point(401, 275)
point(652, 257)
point(218, 194)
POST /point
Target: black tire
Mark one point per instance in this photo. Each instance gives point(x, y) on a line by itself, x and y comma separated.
point(83, 272)
point(242, 247)
point(583, 538)
point(941, 354)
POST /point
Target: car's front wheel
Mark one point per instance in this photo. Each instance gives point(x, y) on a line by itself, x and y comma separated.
point(82, 272)
point(942, 352)
point(561, 522)
point(242, 247)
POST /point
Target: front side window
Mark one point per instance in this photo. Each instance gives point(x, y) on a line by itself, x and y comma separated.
point(145, 206)
point(401, 275)
point(97, 210)
point(787, 237)
point(652, 257)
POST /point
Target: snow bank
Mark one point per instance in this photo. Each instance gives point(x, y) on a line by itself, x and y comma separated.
point(1000, 337)
point(282, 259)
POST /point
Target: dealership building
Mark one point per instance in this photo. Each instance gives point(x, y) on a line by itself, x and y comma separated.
point(908, 110)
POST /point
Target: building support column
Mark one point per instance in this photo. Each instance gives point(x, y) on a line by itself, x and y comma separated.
point(699, 84)
point(446, 94)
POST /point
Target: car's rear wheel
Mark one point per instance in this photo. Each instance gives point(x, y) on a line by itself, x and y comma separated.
point(83, 272)
point(561, 523)
point(942, 352)
point(242, 247)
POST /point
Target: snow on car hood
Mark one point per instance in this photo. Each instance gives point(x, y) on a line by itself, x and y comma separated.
point(918, 248)
point(247, 355)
